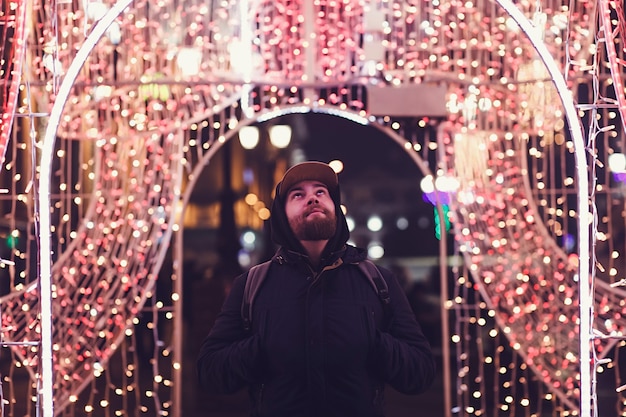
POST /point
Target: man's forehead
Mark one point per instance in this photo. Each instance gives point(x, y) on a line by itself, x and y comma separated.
point(302, 184)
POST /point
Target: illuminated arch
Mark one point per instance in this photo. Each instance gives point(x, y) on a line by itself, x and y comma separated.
point(219, 102)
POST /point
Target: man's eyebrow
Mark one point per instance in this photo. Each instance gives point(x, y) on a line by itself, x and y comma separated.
point(316, 184)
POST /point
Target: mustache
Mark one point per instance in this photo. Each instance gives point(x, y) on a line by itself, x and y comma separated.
point(316, 207)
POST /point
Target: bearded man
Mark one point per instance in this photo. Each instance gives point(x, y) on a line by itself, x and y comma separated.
point(321, 343)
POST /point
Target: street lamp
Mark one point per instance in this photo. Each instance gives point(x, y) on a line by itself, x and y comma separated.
point(280, 136)
point(249, 137)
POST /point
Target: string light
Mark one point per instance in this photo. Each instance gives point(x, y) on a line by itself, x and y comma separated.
point(158, 97)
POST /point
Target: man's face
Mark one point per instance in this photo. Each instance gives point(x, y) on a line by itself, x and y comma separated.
point(310, 211)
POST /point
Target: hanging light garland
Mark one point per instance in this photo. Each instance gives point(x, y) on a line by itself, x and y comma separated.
point(540, 109)
point(171, 69)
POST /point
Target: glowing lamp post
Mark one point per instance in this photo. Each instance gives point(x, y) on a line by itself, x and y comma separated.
point(439, 191)
point(280, 136)
point(249, 137)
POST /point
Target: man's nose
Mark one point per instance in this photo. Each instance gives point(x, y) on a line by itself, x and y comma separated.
point(313, 199)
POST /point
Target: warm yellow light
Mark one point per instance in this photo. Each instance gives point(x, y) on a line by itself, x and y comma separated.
point(264, 214)
point(249, 137)
point(280, 136)
point(336, 165)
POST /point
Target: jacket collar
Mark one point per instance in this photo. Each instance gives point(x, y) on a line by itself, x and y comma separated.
point(348, 254)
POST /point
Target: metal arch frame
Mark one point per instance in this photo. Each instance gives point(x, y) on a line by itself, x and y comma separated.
point(47, 151)
point(584, 213)
point(586, 306)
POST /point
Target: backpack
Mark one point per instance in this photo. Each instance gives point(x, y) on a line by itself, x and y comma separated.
point(257, 274)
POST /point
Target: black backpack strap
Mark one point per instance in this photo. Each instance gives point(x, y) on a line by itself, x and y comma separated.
point(375, 278)
point(255, 278)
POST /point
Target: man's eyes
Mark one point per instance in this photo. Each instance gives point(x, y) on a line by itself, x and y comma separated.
point(300, 194)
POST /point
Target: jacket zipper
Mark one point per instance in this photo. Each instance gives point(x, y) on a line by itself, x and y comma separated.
point(315, 280)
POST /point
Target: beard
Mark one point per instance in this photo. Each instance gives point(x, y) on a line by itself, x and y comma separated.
point(318, 228)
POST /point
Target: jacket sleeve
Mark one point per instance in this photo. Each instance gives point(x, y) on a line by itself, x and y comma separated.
point(402, 354)
point(229, 356)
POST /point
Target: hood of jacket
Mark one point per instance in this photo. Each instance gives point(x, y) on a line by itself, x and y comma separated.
point(282, 235)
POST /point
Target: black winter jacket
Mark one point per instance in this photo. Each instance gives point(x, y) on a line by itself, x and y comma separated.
point(317, 346)
point(320, 344)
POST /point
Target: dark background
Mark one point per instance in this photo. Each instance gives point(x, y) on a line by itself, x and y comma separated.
point(378, 178)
